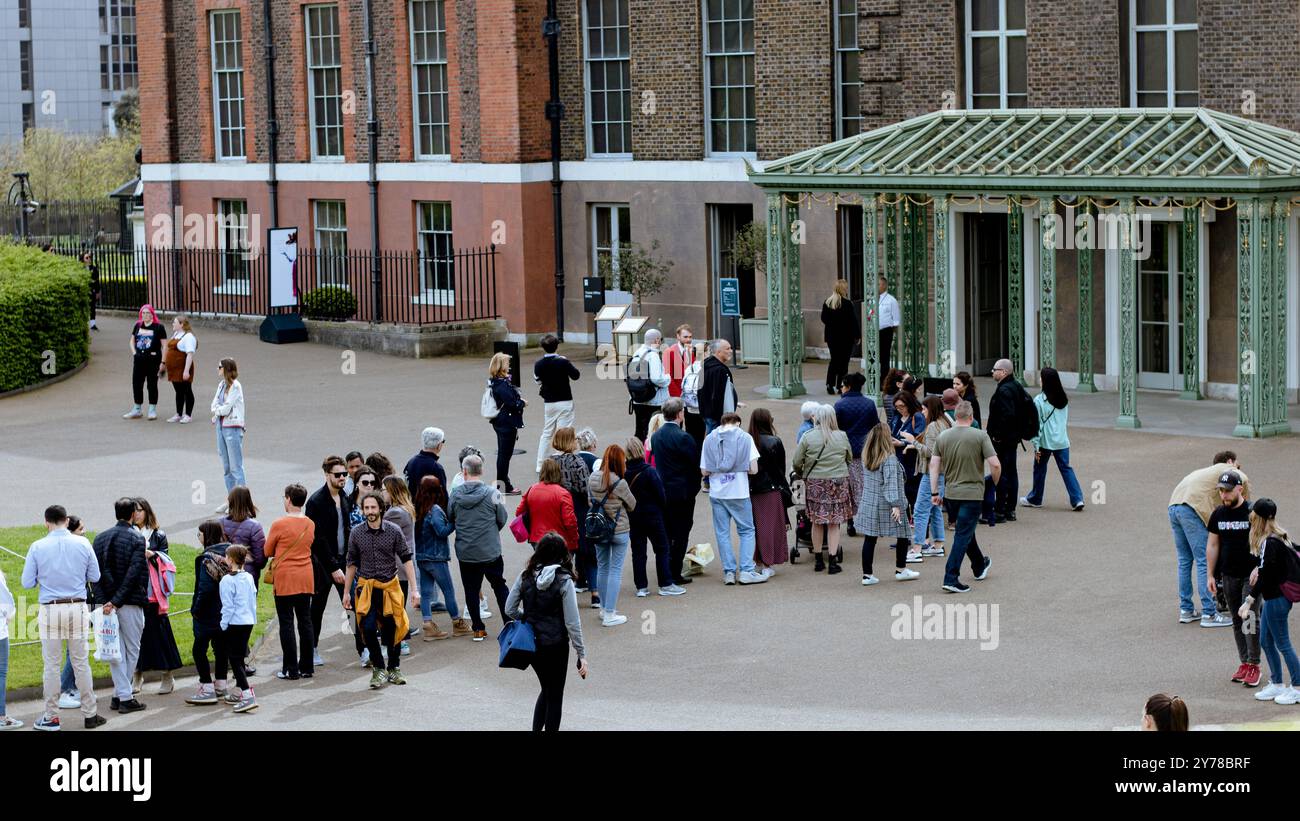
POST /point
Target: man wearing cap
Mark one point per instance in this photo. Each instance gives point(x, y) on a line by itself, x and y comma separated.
point(1228, 563)
point(1190, 507)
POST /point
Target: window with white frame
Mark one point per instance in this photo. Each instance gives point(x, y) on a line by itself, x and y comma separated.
point(331, 221)
point(437, 260)
point(227, 85)
point(848, 76)
point(232, 240)
point(609, 77)
point(1163, 55)
point(429, 79)
point(996, 64)
point(611, 230)
point(729, 75)
point(324, 81)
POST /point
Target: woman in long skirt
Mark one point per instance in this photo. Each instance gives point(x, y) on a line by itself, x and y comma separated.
point(158, 650)
point(769, 490)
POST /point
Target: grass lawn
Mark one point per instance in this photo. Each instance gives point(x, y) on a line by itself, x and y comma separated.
point(25, 665)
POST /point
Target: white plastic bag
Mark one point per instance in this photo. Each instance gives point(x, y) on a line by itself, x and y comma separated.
point(698, 557)
point(108, 645)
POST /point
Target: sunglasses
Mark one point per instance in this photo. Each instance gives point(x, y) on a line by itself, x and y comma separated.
point(338, 475)
point(366, 484)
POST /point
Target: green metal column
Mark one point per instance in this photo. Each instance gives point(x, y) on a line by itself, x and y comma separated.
point(794, 305)
point(1250, 228)
point(1048, 228)
point(1261, 318)
point(891, 256)
point(920, 291)
point(942, 291)
point(1128, 319)
point(1275, 418)
point(870, 299)
point(777, 376)
point(1084, 255)
point(1016, 289)
point(1191, 303)
point(907, 289)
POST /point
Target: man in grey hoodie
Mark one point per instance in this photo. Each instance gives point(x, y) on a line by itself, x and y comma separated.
point(729, 454)
point(476, 511)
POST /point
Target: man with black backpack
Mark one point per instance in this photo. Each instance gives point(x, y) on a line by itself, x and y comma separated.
point(1012, 417)
point(647, 382)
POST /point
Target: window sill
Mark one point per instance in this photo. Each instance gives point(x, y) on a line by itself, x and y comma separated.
point(233, 289)
point(439, 159)
point(445, 299)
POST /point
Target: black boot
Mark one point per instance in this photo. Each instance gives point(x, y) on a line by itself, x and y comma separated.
point(834, 566)
point(821, 561)
point(839, 554)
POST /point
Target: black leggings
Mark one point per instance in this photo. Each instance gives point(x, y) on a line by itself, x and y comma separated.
point(144, 370)
point(236, 636)
point(184, 398)
point(869, 553)
point(202, 641)
point(506, 438)
point(296, 645)
point(551, 664)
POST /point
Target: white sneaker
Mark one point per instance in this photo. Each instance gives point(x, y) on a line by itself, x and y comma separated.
point(153, 414)
point(316, 660)
point(185, 420)
point(1289, 695)
point(672, 590)
point(69, 701)
point(1272, 691)
point(728, 578)
point(869, 580)
point(906, 575)
point(932, 550)
point(483, 611)
point(747, 577)
point(642, 593)
point(613, 619)
point(768, 571)
point(134, 413)
point(1024, 500)
point(365, 658)
point(914, 556)
point(175, 417)
point(406, 649)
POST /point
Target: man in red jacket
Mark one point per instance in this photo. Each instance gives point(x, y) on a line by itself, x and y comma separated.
point(678, 358)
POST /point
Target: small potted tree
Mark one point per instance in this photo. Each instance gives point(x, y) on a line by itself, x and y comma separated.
point(640, 273)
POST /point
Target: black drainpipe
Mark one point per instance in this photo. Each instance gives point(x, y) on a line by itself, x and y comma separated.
point(272, 125)
point(372, 137)
point(555, 113)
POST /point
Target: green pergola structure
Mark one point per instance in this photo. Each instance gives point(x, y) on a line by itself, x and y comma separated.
point(1108, 162)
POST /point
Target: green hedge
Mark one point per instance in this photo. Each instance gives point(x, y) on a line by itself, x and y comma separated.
point(329, 302)
point(44, 315)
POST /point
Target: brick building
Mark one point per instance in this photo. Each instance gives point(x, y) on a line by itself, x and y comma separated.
point(667, 105)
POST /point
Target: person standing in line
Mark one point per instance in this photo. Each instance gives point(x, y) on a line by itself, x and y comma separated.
point(68, 698)
point(123, 589)
point(365, 482)
point(241, 527)
point(717, 394)
point(656, 422)
point(1190, 506)
point(89, 262)
point(1228, 559)
point(238, 616)
point(890, 319)
point(547, 507)
point(1053, 441)
point(574, 474)
point(8, 608)
point(692, 379)
point(433, 559)
point(382, 466)
point(647, 364)
point(909, 423)
point(678, 358)
point(1004, 429)
point(555, 376)
point(727, 460)
point(228, 417)
point(929, 534)
point(508, 420)
point(964, 384)
point(210, 567)
point(806, 411)
point(678, 462)
point(459, 478)
point(842, 332)
point(376, 550)
point(890, 387)
point(769, 494)
point(426, 462)
point(647, 523)
point(355, 461)
point(147, 337)
point(476, 513)
point(289, 546)
point(399, 510)
point(882, 513)
point(61, 566)
point(822, 460)
point(856, 415)
point(960, 456)
point(330, 511)
point(1269, 543)
point(178, 362)
point(158, 650)
point(544, 596)
point(608, 490)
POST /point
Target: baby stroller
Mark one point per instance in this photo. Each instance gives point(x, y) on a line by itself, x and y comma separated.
point(802, 524)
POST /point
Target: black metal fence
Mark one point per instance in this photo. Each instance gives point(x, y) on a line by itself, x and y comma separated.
point(97, 221)
point(413, 289)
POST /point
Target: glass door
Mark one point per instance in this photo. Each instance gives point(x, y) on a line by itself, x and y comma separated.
point(1160, 310)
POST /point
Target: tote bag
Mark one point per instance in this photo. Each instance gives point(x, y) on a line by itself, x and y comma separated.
point(518, 645)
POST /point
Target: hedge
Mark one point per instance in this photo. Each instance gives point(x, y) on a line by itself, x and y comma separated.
point(44, 315)
point(329, 302)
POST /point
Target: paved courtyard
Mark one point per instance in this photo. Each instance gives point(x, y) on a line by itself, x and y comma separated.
point(1086, 602)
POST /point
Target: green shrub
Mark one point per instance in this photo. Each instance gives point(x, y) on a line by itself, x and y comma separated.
point(123, 291)
point(44, 315)
point(330, 302)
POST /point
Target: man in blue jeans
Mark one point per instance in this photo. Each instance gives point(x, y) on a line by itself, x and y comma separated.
point(1190, 507)
point(727, 459)
point(960, 455)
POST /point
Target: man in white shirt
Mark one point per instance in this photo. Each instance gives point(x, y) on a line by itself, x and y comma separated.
point(890, 318)
point(728, 456)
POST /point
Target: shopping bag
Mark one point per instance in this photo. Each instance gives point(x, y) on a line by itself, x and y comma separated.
point(518, 645)
point(108, 645)
point(519, 529)
point(698, 557)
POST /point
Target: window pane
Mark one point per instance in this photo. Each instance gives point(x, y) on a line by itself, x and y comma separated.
point(984, 65)
point(1151, 61)
point(1187, 99)
point(1152, 99)
point(1184, 11)
point(1150, 12)
point(1185, 61)
point(1016, 66)
point(624, 224)
point(984, 15)
point(1015, 14)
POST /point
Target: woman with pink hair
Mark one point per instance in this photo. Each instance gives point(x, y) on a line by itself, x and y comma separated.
point(147, 340)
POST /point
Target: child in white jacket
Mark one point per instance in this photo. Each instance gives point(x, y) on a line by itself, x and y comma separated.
point(7, 611)
point(238, 615)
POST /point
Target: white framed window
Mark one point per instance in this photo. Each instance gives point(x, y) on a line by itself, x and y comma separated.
point(232, 240)
point(324, 81)
point(331, 225)
point(608, 77)
point(611, 230)
point(437, 259)
point(429, 91)
point(729, 77)
point(848, 74)
point(1164, 60)
point(227, 85)
point(996, 64)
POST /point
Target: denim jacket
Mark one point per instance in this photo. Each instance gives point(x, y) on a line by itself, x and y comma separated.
point(431, 544)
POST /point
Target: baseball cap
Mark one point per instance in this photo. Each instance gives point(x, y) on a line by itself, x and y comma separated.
point(950, 399)
point(1229, 479)
point(1264, 509)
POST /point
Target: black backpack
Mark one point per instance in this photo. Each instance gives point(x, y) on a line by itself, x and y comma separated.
point(1026, 415)
point(598, 526)
point(639, 386)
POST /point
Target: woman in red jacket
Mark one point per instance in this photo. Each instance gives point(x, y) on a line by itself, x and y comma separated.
point(548, 507)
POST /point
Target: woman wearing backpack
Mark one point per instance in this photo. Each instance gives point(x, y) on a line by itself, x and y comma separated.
point(1052, 441)
point(205, 614)
point(574, 473)
point(508, 419)
point(608, 525)
point(545, 598)
point(1275, 582)
point(691, 399)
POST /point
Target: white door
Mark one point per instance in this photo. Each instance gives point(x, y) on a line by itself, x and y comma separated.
point(1160, 310)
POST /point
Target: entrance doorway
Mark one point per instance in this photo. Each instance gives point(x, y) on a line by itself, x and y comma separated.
point(985, 236)
point(1160, 310)
point(725, 221)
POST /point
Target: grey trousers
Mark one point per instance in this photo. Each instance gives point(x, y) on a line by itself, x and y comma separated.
point(1236, 589)
point(130, 621)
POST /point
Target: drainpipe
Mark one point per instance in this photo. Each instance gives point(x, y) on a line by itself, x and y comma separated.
point(272, 125)
point(555, 113)
point(372, 137)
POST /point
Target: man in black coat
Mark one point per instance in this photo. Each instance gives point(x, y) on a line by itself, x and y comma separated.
point(1004, 429)
point(330, 510)
point(717, 390)
point(677, 458)
point(123, 588)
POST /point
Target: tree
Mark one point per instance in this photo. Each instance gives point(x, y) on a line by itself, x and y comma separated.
point(640, 272)
point(126, 114)
point(70, 166)
point(749, 248)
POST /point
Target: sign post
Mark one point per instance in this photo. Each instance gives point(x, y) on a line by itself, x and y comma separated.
point(729, 302)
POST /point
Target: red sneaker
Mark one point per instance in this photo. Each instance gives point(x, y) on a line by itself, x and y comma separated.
point(1252, 676)
point(1240, 675)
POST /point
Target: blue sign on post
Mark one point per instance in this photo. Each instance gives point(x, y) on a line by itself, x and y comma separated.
point(730, 296)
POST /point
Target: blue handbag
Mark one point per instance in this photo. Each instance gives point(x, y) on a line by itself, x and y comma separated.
point(518, 645)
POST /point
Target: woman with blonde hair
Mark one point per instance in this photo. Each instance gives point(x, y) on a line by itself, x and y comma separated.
point(178, 361)
point(1271, 544)
point(883, 511)
point(507, 421)
point(822, 461)
point(574, 474)
point(228, 416)
point(840, 318)
point(656, 422)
